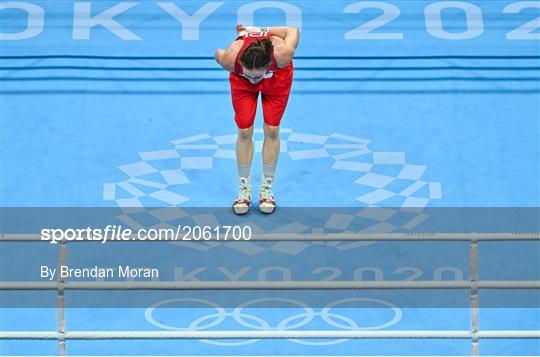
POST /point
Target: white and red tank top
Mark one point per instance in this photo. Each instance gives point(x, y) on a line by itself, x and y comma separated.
point(249, 38)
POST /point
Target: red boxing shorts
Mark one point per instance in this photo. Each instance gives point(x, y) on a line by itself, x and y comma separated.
point(275, 95)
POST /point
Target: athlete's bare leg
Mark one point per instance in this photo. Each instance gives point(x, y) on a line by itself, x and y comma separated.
point(244, 146)
point(270, 153)
point(270, 150)
point(244, 156)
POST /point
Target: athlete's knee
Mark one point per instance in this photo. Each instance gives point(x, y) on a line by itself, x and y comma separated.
point(245, 134)
point(271, 132)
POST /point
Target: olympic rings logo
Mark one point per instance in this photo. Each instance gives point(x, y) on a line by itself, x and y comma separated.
point(260, 323)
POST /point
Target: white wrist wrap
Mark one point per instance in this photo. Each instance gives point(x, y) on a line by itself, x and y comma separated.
point(262, 29)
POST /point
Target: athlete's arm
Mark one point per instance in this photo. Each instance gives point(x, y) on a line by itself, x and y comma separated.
point(227, 57)
point(290, 36)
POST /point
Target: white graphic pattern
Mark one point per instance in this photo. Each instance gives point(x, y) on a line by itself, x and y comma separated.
point(342, 149)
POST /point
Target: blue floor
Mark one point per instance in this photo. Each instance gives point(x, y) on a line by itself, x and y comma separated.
point(370, 132)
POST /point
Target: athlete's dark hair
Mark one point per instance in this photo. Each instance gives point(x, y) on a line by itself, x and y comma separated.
point(257, 55)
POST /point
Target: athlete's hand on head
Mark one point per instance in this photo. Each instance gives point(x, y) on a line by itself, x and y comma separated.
point(240, 28)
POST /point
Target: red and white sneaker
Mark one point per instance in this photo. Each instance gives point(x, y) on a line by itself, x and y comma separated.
point(267, 202)
point(242, 202)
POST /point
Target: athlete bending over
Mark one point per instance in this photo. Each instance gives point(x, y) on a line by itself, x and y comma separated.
point(259, 61)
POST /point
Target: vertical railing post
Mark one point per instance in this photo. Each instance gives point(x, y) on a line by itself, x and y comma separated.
point(475, 307)
point(60, 301)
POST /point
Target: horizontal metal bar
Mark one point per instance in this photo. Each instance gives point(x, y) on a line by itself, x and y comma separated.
point(298, 79)
point(177, 69)
point(211, 58)
point(289, 334)
point(265, 285)
point(519, 236)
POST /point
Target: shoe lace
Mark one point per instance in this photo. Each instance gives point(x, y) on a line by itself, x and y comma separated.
point(244, 191)
point(266, 189)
